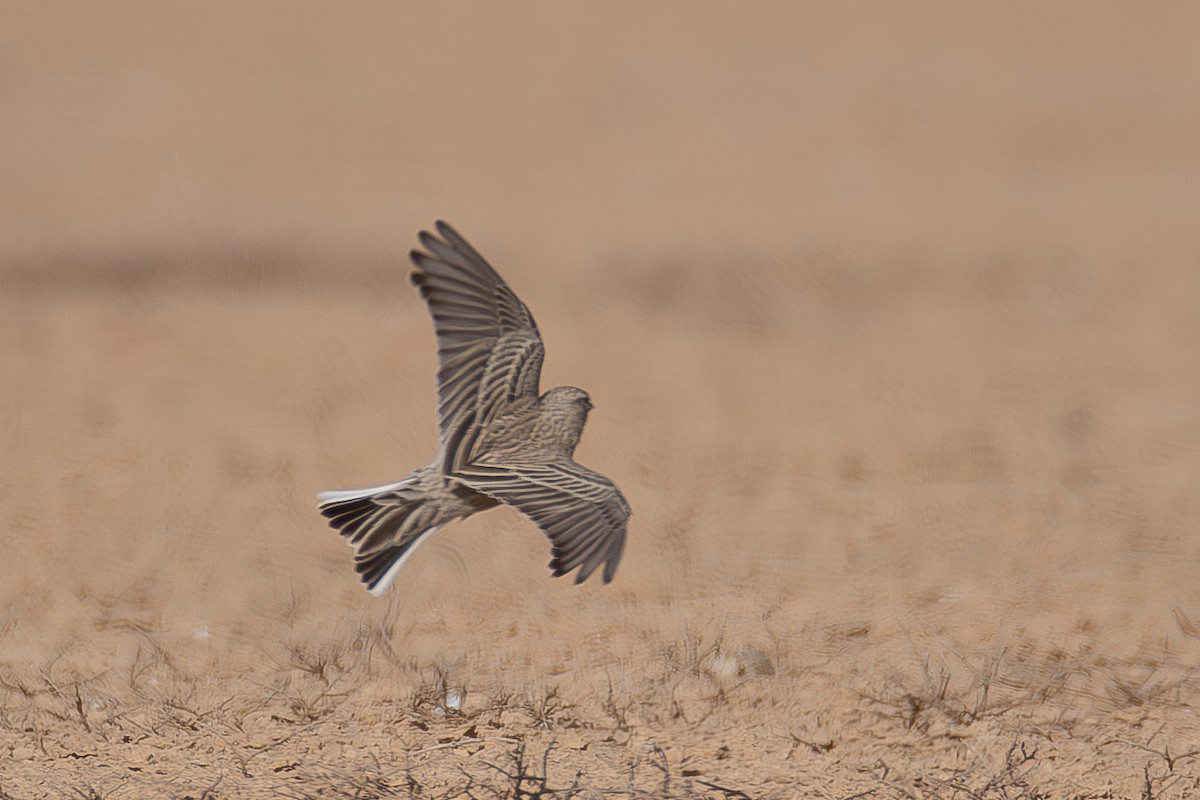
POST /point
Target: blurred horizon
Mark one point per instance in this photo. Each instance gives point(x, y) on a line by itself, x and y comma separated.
point(589, 136)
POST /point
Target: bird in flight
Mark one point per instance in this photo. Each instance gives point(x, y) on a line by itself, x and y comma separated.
point(500, 441)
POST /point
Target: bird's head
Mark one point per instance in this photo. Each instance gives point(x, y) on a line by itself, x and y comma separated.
point(567, 397)
point(570, 406)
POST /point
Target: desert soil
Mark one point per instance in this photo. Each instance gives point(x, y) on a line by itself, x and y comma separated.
point(890, 321)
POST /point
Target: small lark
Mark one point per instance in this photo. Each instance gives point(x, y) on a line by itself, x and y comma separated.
point(500, 442)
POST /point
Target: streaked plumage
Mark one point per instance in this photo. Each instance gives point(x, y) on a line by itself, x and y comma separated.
point(499, 442)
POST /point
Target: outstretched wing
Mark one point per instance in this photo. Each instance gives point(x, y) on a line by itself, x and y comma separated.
point(489, 349)
point(582, 512)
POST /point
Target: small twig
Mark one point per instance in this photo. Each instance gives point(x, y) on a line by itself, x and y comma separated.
point(463, 742)
point(867, 793)
point(729, 793)
point(79, 707)
point(665, 769)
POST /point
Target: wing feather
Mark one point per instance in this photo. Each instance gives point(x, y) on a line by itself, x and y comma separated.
point(583, 513)
point(489, 350)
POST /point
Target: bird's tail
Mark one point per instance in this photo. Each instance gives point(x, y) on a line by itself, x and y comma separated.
point(384, 525)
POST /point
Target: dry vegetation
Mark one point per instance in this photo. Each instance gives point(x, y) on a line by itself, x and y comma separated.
point(893, 341)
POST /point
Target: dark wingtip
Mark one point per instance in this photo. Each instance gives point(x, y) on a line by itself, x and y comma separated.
point(427, 240)
point(417, 277)
point(420, 260)
point(558, 570)
point(614, 559)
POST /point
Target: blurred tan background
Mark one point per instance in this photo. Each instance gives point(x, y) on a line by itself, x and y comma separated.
point(615, 130)
point(889, 314)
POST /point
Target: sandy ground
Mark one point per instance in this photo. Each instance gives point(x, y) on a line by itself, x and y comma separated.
point(891, 327)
